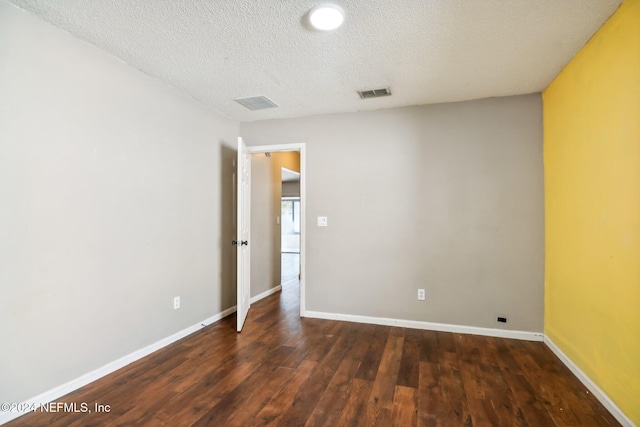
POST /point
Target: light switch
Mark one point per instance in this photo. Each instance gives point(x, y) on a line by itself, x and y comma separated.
point(322, 221)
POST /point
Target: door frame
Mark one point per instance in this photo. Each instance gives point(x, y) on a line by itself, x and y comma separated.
point(301, 148)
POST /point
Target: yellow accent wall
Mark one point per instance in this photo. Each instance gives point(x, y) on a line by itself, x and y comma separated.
point(592, 209)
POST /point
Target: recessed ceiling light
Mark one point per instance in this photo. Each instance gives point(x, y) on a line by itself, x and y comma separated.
point(326, 17)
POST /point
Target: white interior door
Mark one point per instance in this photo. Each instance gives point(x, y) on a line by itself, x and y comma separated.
point(243, 231)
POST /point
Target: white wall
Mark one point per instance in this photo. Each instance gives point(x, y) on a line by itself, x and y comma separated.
point(115, 196)
point(444, 197)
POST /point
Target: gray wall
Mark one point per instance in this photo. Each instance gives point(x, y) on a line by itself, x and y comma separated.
point(291, 189)
point(115, 196)
point(445, 197)
point(266, 194)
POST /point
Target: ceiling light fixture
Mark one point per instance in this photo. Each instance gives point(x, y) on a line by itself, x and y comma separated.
point(326, 17)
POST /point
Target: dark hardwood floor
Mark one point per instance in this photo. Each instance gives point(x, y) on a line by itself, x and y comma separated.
point(286, 371)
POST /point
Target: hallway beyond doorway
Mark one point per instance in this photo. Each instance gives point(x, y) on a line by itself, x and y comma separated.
point(290, 270)
point(290, 214)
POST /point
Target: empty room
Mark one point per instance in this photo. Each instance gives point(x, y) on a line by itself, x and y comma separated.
point(320, 213)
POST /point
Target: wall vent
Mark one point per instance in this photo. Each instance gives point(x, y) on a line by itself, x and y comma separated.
point(256, 103)
point(374, 93)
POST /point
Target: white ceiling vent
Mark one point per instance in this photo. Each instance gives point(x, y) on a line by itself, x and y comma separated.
point(374, 93)
point(257, 103)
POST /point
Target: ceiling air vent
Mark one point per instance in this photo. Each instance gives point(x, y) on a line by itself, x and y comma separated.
point(257, 103)
point(374, 93)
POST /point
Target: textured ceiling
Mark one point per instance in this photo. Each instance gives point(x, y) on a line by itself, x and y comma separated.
point(426, 51)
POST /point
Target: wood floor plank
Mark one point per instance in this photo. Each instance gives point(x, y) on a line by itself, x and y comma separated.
point(446, 341)
point(456, 409)
point(410, 362)
point(355, 410)
point(241, 397)
point(549, 389)
point(442, 400)
point(383, 418)
point(501, 349)
point(582, 403)
point(283, 370)
point(196, 400)
point(405, 407)
point(430, 400)
point(335, 397)
point(387, 376)
point(258, 398)
point(369, 366)
point(485, 384)
point(428, 346)
point(532, 406)
point(308, 397)
point(273, 411)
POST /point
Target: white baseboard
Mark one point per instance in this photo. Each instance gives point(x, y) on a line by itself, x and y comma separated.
point(266, 294)
point(443, 327)
point(500, 333)
point(593, 387)
point(66, 388)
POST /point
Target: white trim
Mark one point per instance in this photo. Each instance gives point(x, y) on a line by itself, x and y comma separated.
point(81, 381)
point(68, 387)
point(266, 294)
point(303, 228)
point(64, 389)
point(588, 382)
point(443, 327)
point(275, 148)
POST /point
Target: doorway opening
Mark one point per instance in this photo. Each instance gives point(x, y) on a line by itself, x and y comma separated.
point(289, 246)
point(290, 242)
point(290, 229)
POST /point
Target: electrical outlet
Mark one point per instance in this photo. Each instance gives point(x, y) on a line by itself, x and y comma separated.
point(176, 303)
point(422, 294)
